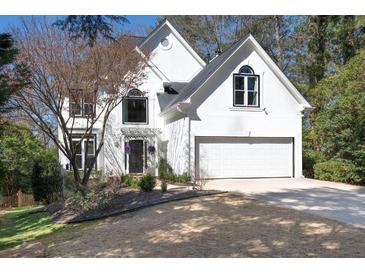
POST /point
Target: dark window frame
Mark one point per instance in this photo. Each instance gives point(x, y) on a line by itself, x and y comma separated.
point(245, 104)
point(125, 110)
point(83, 150)
point(81, 105)
point(248, 67)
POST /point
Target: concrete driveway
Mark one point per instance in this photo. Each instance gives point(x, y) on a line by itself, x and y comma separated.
point(337, 201)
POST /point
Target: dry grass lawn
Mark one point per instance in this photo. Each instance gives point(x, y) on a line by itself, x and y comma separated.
point(227, 225)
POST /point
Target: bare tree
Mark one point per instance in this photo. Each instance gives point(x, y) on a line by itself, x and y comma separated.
point(65, 72)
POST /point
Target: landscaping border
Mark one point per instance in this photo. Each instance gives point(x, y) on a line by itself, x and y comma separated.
point(192, 194)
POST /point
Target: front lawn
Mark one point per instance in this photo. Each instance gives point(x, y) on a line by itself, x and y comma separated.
point(21, 225)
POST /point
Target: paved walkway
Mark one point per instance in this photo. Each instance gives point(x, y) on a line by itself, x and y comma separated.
point(337, 201)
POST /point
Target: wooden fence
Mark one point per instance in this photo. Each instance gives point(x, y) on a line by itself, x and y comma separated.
point(17, 200)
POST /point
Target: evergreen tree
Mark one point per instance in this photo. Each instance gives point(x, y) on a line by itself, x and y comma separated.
point(91, 27)
point(11, 78)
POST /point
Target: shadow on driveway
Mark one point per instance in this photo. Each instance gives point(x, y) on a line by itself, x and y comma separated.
point(343, 205)
point(227, 225)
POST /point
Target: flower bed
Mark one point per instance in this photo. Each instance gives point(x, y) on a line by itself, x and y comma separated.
point(126, 200)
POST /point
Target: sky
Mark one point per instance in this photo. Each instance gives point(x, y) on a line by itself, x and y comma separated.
point(138, 23)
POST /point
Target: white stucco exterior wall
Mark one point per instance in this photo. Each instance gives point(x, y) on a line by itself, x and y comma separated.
point(175, 61)
point(212, 112)
point(177, 148)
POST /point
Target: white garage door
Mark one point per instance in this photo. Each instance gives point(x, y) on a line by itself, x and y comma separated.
point(229, 157)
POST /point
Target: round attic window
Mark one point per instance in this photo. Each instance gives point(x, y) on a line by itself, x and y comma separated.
point(165, 43)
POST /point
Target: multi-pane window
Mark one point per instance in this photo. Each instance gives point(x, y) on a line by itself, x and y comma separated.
point(82, 104)
point(84, 150)
point(135, 108)
point(246, 88)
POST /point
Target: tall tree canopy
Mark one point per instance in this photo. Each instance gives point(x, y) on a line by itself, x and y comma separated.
point(211, 34)
point(12, 77)
point(91, 27)
point(339, 126)
point(65, 77)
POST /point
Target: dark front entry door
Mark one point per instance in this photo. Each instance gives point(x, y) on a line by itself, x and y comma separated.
point(136, 156)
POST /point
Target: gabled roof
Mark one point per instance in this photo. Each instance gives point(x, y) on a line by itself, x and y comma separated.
point(205, 73)
point(210, 69)
point(165, 22)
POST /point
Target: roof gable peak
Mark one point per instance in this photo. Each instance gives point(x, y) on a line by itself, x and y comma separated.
point(164, 23)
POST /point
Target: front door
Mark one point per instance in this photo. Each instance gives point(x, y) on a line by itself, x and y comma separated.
point(136, 156)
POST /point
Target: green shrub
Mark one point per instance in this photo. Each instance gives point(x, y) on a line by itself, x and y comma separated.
point(19, 150)
point(69, 181)
point(46, 178)
point(336, 170)
point(310, 158)
point(78, 201)
point(147, 182)
point(93, 200)
point(174, 178)
point(163, 186)
point(130, 181)
point(184, 178)
point(164, 167)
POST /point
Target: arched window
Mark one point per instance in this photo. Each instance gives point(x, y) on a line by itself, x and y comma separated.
point(246, 91)
point(135, 93)
point(135, 107)
point(246, 70)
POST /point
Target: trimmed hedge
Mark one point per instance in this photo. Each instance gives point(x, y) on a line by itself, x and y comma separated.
point(336, 170)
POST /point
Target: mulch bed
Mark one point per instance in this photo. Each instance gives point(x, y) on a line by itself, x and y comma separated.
point(128, 200)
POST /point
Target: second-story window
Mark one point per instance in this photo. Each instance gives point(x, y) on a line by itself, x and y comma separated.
point(246, 88)
point(82, 104)
point(135, 108)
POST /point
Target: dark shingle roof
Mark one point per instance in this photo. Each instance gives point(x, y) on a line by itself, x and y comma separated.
point(204, 74)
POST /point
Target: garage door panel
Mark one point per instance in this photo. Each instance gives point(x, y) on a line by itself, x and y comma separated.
point(220, 157)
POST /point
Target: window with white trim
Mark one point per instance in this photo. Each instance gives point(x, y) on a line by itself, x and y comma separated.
point(82, 105)
point(246, 91)
point(85, 150)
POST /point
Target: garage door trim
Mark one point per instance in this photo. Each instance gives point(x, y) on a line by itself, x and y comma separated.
point(196, 156)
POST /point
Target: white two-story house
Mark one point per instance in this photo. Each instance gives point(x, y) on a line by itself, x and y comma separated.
point(237, 116)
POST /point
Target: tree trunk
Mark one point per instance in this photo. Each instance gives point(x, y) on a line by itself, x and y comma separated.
point(279, 46)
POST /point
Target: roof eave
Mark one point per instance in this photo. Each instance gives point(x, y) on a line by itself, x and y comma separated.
point(181, 107)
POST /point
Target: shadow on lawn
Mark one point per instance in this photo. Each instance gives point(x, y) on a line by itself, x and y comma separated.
point(21, 225)
point(217, 226)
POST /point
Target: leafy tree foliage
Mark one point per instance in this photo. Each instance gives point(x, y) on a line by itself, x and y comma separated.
point(211, 34)
point(46, 177)
point(340, 122)
point(26, 165)
point(18, 149)
point(91, 27)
